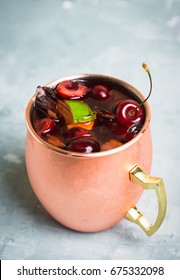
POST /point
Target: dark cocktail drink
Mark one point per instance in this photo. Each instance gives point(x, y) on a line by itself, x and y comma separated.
point(88, 114)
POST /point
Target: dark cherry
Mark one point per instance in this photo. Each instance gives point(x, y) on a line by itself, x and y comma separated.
point(83, 145)
point(132, 132)
point(129, 112)
point(100, 92)
point(71, 89)
point(117, 129)
point(76, 132)
point(44, 126)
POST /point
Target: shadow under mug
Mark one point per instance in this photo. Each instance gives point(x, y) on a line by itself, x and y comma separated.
point(93, 192)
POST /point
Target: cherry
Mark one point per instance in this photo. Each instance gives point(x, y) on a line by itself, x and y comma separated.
point(120, 131)
point(132, 132)
point(71, 89)
point(83, 145)
point(44, 126)
point(100, 92)
point(76, 132)
point(129, 112)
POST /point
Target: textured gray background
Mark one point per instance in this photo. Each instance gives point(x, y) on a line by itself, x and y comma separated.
point(41, 40)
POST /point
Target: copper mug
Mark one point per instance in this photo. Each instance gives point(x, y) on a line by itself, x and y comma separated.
point(94, 192)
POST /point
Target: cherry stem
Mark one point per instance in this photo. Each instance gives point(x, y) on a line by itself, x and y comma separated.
point(150, 79)
point(150, 90)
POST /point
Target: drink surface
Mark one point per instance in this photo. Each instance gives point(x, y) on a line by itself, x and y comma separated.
point(87, 115)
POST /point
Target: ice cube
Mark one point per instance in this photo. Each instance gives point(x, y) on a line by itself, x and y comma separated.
point(46, 102)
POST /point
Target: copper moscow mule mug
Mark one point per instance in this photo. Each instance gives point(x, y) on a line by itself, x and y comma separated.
point(93, 192)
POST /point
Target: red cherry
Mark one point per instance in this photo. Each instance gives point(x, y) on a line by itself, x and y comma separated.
point(44, 126)
point(71, 89)
point(76, 132)
point(100, 92)
point(119, 130)
point(83, 145)
point(129, 112)
point(132, 131)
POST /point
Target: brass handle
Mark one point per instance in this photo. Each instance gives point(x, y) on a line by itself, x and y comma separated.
point(138, 176)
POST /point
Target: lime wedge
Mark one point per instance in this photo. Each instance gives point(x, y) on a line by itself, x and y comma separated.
point(75, 111)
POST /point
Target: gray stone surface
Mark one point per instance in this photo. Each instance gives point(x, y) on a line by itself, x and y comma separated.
point(43, 40)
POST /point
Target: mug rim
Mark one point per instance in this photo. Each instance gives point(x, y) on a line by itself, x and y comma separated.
point(127, 85)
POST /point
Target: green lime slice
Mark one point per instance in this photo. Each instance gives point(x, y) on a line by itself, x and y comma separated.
point(75, 111)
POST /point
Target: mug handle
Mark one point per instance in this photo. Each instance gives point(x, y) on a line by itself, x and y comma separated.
point(138, 176)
